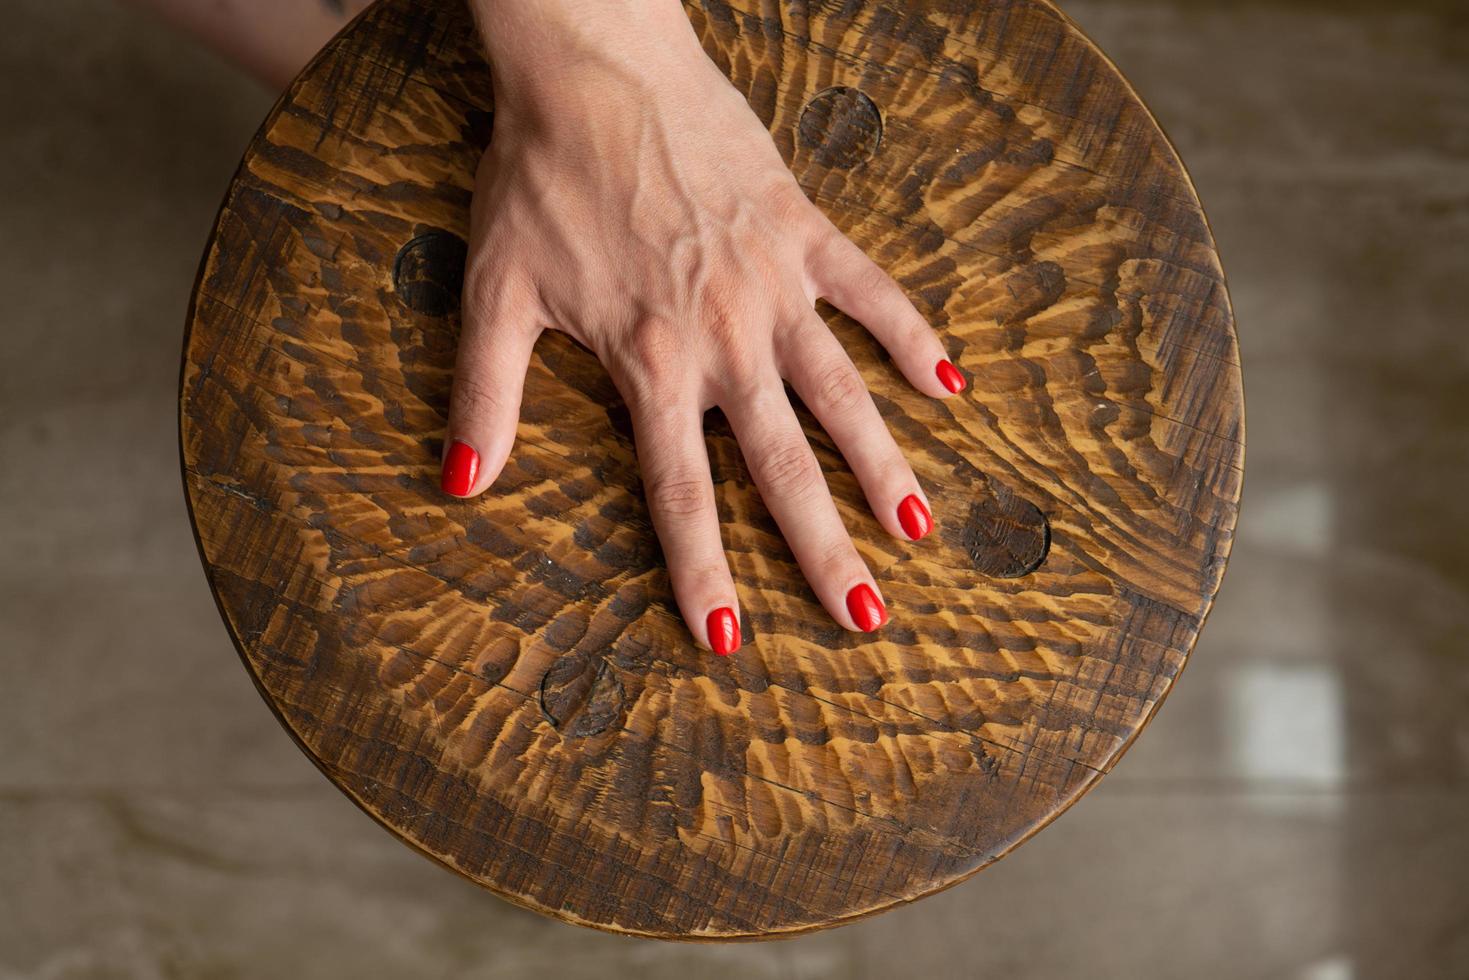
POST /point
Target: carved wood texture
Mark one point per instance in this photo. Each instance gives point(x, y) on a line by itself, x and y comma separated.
point(505, 684)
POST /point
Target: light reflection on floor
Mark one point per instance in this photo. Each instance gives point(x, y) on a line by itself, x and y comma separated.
point(1285, 724)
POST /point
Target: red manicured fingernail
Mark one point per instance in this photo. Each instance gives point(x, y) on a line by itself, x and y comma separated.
point(914, 517)
point(866, 608)
point(724, 631)
point(461, 466)
point(949, 376)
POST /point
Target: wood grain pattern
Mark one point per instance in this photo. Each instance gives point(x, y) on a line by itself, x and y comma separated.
point(505, 683)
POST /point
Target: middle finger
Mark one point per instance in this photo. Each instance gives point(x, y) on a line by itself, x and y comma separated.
point(823, 375)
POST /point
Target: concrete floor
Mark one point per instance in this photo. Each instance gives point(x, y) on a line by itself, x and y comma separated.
point(1300, 808)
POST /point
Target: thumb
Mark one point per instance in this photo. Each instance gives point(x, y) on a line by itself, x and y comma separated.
point(489, 377)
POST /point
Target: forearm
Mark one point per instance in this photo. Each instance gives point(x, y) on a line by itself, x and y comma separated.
point(538, 50)
point(270, 39)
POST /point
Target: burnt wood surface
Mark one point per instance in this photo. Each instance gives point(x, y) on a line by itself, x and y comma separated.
point(505, 683)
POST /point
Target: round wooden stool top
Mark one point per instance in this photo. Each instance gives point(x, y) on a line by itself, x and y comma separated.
point(505, 684)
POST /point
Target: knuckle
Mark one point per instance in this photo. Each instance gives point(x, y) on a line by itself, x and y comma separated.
point(491, 285)
point(641, 390)
point(650, 362)
point(722, 313)
point(788, 470)
point(789, 204)
point(679, 494)
point(472, 397)
point(704, 578)
point(482, 274)
point(741, 367)
point(744, 379)
point(837, 560)
point(835, 250)
point(653, 340)
point(871, 283)
point(840, 389)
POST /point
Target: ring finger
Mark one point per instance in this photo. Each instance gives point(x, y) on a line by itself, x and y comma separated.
point(794, 490)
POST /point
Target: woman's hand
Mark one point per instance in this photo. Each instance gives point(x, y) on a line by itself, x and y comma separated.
point(631, 198)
